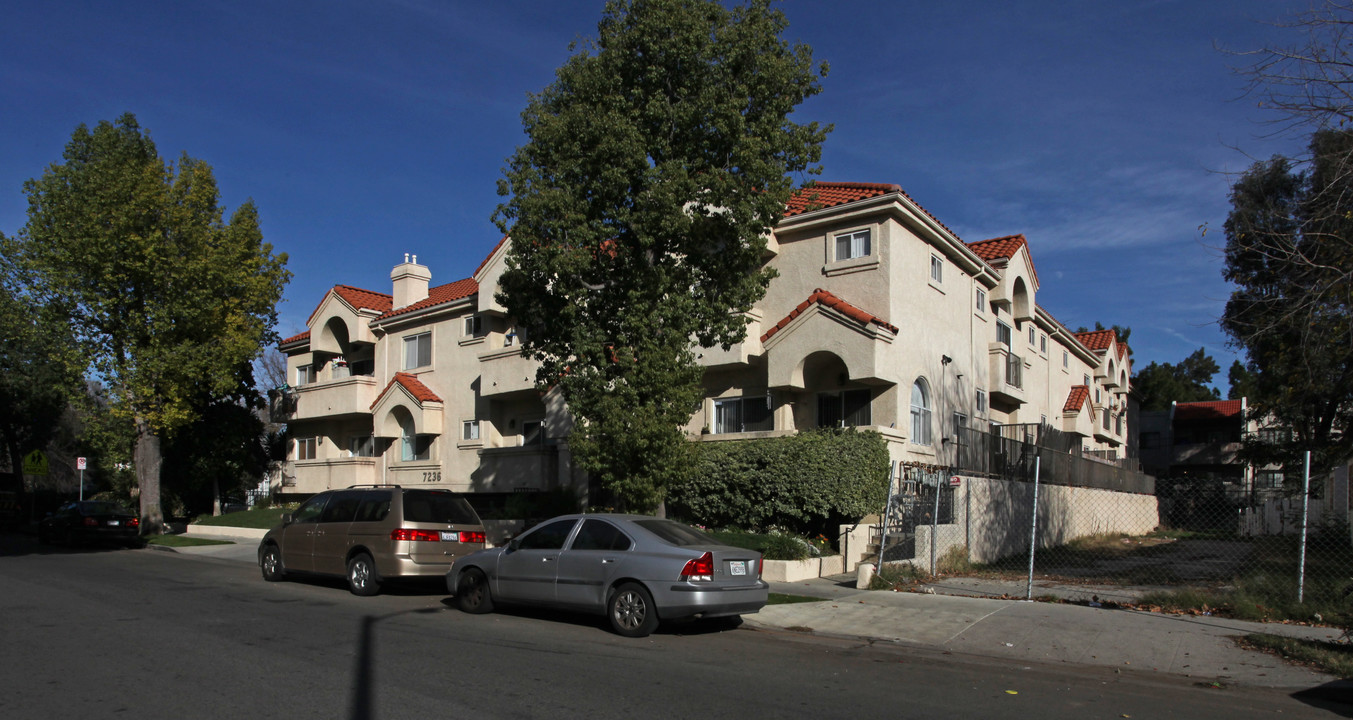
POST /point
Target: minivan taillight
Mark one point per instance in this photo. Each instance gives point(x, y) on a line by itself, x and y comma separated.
point(700, 569)
point(415, 535)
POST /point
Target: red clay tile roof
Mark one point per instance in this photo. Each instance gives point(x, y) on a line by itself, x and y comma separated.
point(1209, 410)
point(827, 299)
point(420, 392)
point(1003, 248)
point(1076, 400)
point(449, 292)
point(295, 338)
point(1097, 339)
point(485, 261)
point(358, 298)
point(831, 194)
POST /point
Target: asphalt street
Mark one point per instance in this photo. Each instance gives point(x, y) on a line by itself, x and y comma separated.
point(151, 634)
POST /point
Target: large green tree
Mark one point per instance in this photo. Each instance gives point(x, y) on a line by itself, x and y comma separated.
point(38, 372)
point(167, 299)
point(1190, 380)
point(657, 164)
point(1289, 253)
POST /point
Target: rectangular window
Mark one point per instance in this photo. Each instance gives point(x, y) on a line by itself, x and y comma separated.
point(305, 375)
point(981, 401)
point(1098, 400)
point(1043, 344)
point(1106, 419)
point(1118, 424)
point(960, 421)
point(417, 351)
point(1085, 380)
point(852, 245)
point(981, 300)
point(749, 414)
point(469, 430)
point(305, 448)
point(415, 447)
point(1042, 419)
point(473, 326)
point(1003, 334)
point(1066, 359)
point(849, 408)
point(362, 446)
point(1031, 335)
point(532, 433)
point(936, 269)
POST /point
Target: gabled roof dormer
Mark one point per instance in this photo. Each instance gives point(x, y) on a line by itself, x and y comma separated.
point(1019, 280)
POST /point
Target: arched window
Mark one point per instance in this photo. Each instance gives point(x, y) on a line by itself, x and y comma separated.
point(920, 412)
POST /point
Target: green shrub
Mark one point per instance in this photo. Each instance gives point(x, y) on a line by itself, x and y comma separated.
point(806, 483)
point(785, 547)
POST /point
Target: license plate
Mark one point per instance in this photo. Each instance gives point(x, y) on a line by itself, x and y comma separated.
point(450, 536)
point(737, 567)
point(114, 523)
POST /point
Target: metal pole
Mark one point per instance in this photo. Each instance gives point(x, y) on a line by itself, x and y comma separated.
point(82, 484)
point(935, 525)
point(887, 511)
point(1033, 531)
point(1305, 510)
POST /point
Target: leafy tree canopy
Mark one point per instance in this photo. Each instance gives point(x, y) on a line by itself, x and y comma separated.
point(1289, 253)
point(1159, 384)
point(166, 299)
point(657, 163)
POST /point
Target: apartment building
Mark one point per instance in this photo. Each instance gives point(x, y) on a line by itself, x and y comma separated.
point(880, 317)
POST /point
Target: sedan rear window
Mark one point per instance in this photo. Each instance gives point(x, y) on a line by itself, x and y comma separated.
point(431, 506)
point(675, 533)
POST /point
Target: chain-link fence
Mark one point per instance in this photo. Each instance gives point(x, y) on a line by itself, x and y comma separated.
point(1116, 535)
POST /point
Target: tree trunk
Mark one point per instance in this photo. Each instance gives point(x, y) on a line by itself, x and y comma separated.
point(148, 460)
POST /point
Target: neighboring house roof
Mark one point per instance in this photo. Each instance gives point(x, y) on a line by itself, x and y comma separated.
point(830, 194)
point(1208, 410)
point(358, 298)
point(449, 292)
point(827, 299)
point(1002, 249)
point(420, 392)
point(1076, 399)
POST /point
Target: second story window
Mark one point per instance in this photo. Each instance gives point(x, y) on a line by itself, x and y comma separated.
point(1043, 344)
point(981, 401)
point(981, 300)
point(473, 326)
point(853, 245)
point(305, 448)
point(849, 408)
point(1032, 335)
point(532, 433)
point(305, 375)
point(1003, 333)
point(469, 430)
point(936, 269)
point(417, 351)
point(749, 414)
point(361, 446)
point(920, 412)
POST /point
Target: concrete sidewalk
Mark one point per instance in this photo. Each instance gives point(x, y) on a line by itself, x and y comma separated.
point(1202, 648)
point(1199, 647)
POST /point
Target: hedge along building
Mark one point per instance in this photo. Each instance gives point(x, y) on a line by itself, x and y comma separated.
point(880, 317)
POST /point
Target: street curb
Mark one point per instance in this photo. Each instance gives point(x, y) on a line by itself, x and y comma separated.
point(226, 531)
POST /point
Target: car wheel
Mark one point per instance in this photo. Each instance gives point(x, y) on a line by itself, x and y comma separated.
point(272, 564)
point(472, 592)
point(362, 577)
point(631, 611)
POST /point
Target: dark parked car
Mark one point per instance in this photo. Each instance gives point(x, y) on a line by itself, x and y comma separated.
point(635, 569)
point(91, 521)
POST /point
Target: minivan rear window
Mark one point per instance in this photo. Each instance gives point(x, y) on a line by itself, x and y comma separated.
point(431, 506)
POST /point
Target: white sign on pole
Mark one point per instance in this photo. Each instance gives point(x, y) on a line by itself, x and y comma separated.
point(79, 463)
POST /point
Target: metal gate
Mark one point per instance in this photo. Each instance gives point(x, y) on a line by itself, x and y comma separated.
point(918, 495)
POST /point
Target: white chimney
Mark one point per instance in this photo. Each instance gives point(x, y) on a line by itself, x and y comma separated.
point(411, 282)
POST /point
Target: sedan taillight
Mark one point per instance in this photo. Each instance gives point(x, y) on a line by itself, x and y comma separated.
point(469, 536)
point(134, 522)
point(91, 522)
point(700, 569)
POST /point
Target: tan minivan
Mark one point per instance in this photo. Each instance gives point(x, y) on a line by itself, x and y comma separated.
point(372, 533)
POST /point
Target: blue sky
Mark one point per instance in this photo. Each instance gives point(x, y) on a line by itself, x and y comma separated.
point(1107, 133)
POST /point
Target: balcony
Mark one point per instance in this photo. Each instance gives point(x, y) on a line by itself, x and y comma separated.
point(335, 398)
point(504, 371)
point(1006, 373)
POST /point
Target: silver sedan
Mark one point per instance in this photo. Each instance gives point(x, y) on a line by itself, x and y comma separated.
point(635, 569)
